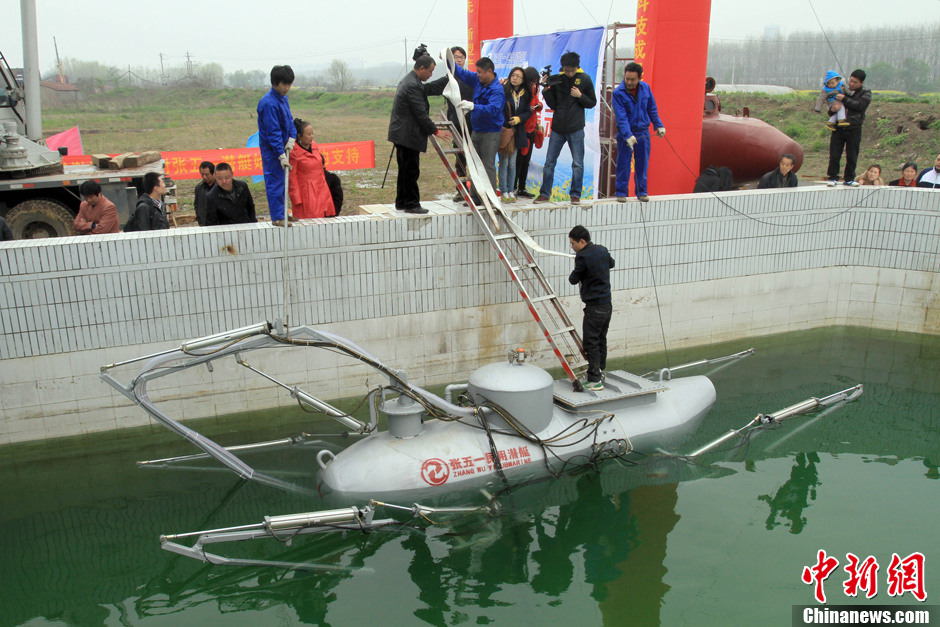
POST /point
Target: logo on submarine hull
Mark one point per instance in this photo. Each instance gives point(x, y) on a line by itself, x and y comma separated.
point(435, 471)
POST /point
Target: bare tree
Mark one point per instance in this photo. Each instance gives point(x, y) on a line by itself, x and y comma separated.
point(339, 75)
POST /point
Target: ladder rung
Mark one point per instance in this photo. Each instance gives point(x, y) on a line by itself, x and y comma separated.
point(505, 236)
point(525, 266)
point(542, 299)
point(560, 331)
point(452, 151)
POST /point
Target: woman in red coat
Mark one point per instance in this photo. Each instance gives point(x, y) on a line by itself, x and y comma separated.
point(309, 194)
point(531, 124)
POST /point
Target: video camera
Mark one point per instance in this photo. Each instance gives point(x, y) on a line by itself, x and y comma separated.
point(547, 79)
point(420, 51)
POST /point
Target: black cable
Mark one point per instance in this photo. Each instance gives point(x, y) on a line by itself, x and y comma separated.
point(826, 37)
point(857, 205)
point(659, 309)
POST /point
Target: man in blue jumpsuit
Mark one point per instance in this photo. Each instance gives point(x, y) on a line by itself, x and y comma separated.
point(276, 136)
point(635, 109)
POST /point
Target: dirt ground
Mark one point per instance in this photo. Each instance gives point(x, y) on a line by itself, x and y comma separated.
point(193, 119)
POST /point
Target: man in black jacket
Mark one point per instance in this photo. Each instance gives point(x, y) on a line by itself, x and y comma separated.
point(781, 176)
point(568, 94)
point(150, 214)
point(848, 138)
point(207, 173)
point(592, 264)
point(409, 129)
point(229, 201)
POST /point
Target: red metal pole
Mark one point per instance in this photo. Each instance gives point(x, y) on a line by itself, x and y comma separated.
point(486, 19)
point(672, 46)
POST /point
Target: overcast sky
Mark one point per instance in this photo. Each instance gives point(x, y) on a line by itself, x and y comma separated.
point(240, 35)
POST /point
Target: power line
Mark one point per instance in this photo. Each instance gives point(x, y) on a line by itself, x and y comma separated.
point(836, 38)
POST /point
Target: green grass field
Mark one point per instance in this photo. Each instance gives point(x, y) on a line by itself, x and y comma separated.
point(191, 119)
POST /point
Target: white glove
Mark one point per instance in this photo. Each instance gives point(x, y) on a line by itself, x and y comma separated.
point(661, 131)
point(285, 161)
point(466, 106)
point(289, 145)
point(631, 141)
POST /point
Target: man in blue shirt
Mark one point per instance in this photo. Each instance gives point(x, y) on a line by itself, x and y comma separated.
point(635, 108)
point(486, 112)
point(276, 136)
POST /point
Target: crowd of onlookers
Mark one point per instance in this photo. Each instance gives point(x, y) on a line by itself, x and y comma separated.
point(503, 118)
point(846, 104)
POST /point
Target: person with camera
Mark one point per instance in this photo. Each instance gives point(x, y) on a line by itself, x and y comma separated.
point(410, 126)
point(635, 109)
point(567, 94)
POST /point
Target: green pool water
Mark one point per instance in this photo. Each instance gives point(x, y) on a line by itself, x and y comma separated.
point(659, 541)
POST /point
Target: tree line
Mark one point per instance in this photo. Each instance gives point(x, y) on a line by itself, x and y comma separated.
point(93, 77)
point(899, 58)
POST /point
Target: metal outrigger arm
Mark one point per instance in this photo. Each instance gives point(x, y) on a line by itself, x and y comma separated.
point(805, 407)
point(285, 528)
point(234, 343)
point(665, 374)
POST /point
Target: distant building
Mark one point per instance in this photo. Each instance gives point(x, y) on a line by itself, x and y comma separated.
point(54, 93)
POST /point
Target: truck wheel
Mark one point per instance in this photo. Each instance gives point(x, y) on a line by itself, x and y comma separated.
point(34, 219)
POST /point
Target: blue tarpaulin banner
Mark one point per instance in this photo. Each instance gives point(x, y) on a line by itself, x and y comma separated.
point(541, 50)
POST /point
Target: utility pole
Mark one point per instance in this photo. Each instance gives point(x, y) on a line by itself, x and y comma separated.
point(58, 62)
point(189, 66)
point(162, 71)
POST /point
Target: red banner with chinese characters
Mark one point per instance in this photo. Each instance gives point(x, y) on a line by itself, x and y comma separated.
point(486, 19)
point(672, 46)
point(184, 164)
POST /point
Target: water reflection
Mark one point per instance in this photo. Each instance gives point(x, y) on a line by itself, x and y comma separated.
point(789, 501)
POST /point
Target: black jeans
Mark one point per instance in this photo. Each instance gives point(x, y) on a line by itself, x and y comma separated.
point(596, 321)
point(849, 138)
point(522, 166)
point(407, 195)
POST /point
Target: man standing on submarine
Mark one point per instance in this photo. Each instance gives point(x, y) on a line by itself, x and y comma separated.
point(592, 264)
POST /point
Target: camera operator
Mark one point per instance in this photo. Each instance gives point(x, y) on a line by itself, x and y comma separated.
point(568, 94)
point(410, 126)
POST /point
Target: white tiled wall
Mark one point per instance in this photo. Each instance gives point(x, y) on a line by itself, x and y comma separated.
point(426, 293)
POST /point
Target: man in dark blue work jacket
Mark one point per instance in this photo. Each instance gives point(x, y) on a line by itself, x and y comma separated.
point(635, 109)
point(276, 136)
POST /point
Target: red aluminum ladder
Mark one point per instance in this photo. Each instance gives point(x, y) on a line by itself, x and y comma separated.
point(507, 238)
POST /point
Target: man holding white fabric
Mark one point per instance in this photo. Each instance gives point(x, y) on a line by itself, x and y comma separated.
point(486, 112)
